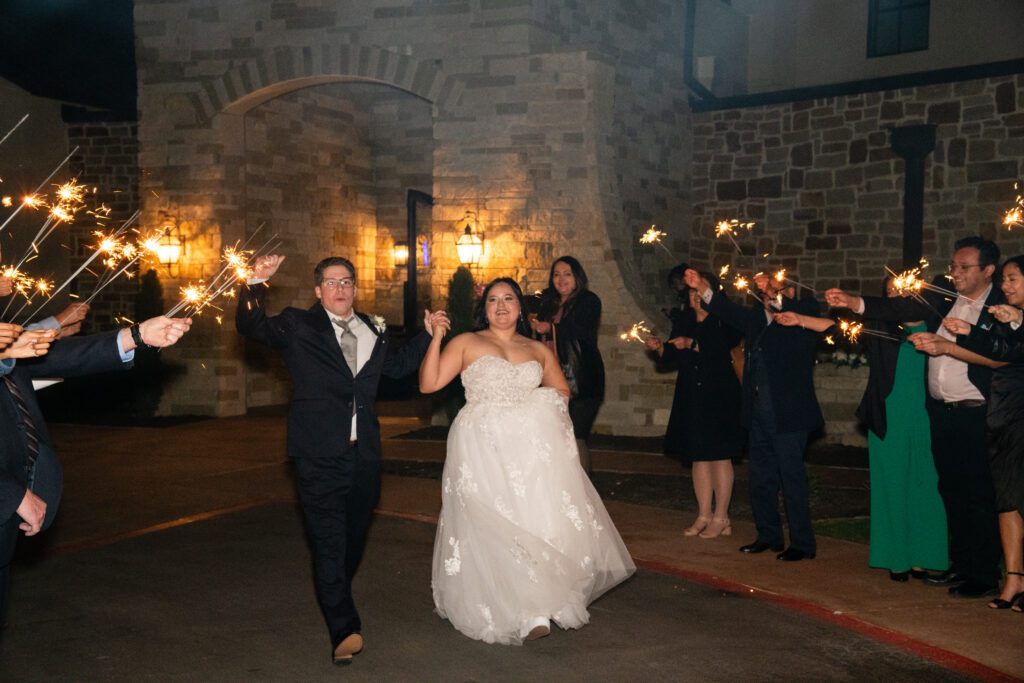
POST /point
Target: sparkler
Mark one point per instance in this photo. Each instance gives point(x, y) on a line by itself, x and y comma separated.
point(852, 331)
point(728, 228)
point(237, 268)
point(910, 282)
point(639, 332)
point(31, 200)
point(14, 128)
point(96, 254)
point(653, 236)
point(780, 277)
point(40, 286)
point(1014, 216)
point(118, 252)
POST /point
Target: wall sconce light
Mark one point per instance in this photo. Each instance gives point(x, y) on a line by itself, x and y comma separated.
point(470, 245)
point(401, 254)
point(170, 247)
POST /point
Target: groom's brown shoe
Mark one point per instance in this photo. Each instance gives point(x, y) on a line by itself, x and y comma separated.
point(352, 644)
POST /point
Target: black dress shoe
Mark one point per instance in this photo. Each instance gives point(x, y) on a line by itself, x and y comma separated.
point(902, 577)
point(946, 578)
point(919, 574)
point(974, 589)
point(792, 554)
point(759, 547)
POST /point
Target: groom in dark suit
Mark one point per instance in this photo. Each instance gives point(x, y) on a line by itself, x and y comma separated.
point(336, 356)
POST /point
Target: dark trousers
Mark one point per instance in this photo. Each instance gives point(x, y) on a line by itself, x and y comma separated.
point(777, 461)
point(965, 485)
point(338, 496)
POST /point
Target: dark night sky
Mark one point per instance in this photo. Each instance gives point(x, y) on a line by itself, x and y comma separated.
point(77, 51)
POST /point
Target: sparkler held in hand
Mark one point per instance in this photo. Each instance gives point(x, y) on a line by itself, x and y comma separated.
point(33, 198)
point(639, 333)
point(853, 330)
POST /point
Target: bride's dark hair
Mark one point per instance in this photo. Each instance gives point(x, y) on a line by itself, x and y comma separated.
point(480, 313)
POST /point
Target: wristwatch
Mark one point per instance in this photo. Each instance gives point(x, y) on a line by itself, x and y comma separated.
point(137, 337)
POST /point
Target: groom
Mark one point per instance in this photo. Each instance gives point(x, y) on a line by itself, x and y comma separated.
point(335, 356)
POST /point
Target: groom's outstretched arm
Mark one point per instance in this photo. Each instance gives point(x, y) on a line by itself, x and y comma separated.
point(251, 319)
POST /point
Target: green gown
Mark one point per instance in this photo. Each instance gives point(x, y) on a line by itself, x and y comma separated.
point(908, 521)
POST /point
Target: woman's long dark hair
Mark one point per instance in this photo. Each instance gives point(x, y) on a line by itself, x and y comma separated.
point(550, 299)
point(480, 314)
point(1015, 260)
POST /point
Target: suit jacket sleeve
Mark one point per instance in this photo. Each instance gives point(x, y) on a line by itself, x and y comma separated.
point(78, 356)
point(407, 359)
point(998, 343)
point(252, 321)
point(731, 312)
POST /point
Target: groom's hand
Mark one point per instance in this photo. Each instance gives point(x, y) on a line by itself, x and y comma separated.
point(266, 266)
point(436, 323)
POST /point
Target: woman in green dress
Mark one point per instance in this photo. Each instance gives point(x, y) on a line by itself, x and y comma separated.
point(908, 521)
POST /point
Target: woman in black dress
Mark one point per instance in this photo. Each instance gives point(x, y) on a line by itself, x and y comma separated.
point(1005, 422)
point(567, 317)
point(705, 420)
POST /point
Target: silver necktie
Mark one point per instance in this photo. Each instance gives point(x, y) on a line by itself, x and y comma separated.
point(349, 344)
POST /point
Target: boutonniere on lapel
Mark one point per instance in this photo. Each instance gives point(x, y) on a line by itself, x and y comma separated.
point(379, 323)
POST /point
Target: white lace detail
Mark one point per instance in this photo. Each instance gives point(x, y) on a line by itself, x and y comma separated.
point(522, 533)
point(571, 511)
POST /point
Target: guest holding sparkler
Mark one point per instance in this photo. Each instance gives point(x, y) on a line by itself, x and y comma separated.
point(908, 521)
point(1005, 420)
point(335, 356)
point(779, 408)
point(567, 318)
point(30, 474)
point(958, 387)
point(704, 426)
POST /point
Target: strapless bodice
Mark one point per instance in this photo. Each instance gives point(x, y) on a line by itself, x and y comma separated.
point(492, 379)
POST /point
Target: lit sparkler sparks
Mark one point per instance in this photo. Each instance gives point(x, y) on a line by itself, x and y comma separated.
point(32, 199)
point(653, 236)
point(639, 332)
point(1014, 216)
point(729, 227)
point(781, 277)
point(853, 330)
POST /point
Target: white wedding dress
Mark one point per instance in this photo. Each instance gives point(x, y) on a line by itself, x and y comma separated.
point(523, 535)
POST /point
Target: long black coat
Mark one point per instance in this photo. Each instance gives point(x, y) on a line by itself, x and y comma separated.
point(323, 388)
point(705, 419)
point(579, 326)
point(72, 357)
point(788, 355)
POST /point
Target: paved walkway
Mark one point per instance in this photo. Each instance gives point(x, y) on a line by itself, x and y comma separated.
point(138, 499)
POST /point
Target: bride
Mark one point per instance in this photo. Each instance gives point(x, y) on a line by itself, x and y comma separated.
point(523, 537)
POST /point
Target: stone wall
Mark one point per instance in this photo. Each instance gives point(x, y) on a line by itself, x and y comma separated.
point(826, 190)
point(107, 160)
point(563, 126)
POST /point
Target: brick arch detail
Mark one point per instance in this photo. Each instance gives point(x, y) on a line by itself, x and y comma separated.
point(289, 68)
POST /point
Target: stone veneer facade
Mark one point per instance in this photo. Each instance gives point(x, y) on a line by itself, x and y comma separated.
point(107, 159)
point(826, 191)
point(561, 125)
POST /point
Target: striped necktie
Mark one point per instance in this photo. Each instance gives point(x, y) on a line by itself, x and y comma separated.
point(31, 435)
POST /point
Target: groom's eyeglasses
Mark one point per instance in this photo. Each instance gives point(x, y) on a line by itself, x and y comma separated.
point(344, 283)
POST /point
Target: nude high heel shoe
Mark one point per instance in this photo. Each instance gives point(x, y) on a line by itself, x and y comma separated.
point(719, 526)
point(698, 526)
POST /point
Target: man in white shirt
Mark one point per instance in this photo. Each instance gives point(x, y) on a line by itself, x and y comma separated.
point(958, 388)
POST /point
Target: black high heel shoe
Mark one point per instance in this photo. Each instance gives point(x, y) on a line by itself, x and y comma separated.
point(901, 577)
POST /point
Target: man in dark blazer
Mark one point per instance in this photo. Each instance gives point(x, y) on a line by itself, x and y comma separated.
point(958, 389)
point(779, 408)
point(335, 356)
point(30, 474)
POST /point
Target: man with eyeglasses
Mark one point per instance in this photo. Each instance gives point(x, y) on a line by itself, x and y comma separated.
point(335, 356)
point(958, 387)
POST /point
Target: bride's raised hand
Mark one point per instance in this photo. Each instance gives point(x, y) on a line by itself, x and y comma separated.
point(437, 323)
